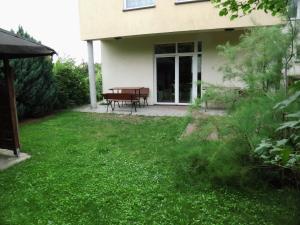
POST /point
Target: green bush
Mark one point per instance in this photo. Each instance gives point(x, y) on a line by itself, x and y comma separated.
point(283, 151)
point(258, 145)
point(35, 86)
point(72, 83)
point(231, 160)
point(220, 96)
point(98, 81)
point(213, 164)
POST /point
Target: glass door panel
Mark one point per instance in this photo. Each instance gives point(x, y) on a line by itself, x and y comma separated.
point(199, 75)
point(185, 79)
point(165, 69)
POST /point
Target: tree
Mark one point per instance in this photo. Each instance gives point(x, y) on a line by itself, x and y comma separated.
point(257, 60)
point(236, 8)
point(35, 87)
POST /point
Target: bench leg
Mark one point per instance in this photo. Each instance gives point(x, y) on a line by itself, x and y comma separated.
point(112, 106)
point(109, 103)
point(146, 101)
point(131, 108)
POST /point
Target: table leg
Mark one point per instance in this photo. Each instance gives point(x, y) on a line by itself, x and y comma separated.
point(140, 98)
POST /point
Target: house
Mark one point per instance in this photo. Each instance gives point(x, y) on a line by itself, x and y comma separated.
point(165, 45)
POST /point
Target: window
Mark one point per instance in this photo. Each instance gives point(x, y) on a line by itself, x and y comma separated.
point(183, 47)
point(199, 46)
point(295, 9)
point(188, 1)
point(165, 49)
point(138, 4)
point(186, 47)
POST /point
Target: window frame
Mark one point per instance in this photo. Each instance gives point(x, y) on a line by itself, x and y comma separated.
point(137, 8)
point(297, 52)
point(179, 2)
point(196, 89)
point(297, 16)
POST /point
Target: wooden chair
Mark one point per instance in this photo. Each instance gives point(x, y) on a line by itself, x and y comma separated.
point(144, 95)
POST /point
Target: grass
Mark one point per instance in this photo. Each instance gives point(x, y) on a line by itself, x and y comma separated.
point(104, 169)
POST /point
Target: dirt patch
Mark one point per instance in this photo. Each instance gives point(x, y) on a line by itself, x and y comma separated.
point(191, 128)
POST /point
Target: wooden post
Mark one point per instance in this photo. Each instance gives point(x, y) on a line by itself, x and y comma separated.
point(9, 77)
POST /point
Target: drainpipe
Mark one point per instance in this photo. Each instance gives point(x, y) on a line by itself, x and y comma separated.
point(92, 77)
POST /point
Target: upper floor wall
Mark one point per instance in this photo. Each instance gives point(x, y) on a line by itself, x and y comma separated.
point(102, 19)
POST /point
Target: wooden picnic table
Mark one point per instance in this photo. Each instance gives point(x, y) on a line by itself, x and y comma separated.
point(137, 91)
point(119, 89)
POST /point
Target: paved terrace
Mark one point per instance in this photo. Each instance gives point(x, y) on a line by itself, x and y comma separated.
point(156, 110)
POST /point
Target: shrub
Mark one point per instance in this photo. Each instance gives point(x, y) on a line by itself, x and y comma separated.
point(231, 160)
point(98, 81)
point(283, 151)
point(215, 164)
point(221, 96)
point(35, 86)
point(72, 83)
point(251, 151)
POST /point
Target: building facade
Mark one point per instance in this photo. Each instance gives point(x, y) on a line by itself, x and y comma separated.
point(165, 45)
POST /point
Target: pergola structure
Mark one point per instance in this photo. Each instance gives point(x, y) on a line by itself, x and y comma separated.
point(13, 47)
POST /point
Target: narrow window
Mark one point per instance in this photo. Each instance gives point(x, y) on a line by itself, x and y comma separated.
point(136, 4)
point(199, 46)
point(186, 47)
point(165, 49)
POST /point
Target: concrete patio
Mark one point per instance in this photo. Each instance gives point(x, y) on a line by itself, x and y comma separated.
point(8, 159)
point(155, 110)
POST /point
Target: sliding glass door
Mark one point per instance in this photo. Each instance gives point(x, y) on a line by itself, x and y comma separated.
point(185, 79)
point(177, 72)
point(165, 70)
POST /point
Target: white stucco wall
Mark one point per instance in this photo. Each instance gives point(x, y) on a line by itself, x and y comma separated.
point(130, 61)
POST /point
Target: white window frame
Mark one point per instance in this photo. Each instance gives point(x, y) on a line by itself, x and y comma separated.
point(177, 2)
point(176, 55)
point(140, 7)
point(298, 10)
point(297, 17)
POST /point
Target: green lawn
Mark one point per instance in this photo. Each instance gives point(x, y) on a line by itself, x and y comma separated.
point(102, 169)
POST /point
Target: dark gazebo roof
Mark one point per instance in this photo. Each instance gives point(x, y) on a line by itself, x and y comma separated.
point(13, 46)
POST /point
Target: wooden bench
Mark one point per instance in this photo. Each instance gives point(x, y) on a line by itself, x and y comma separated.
point(112, 98)
point(143, 93)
